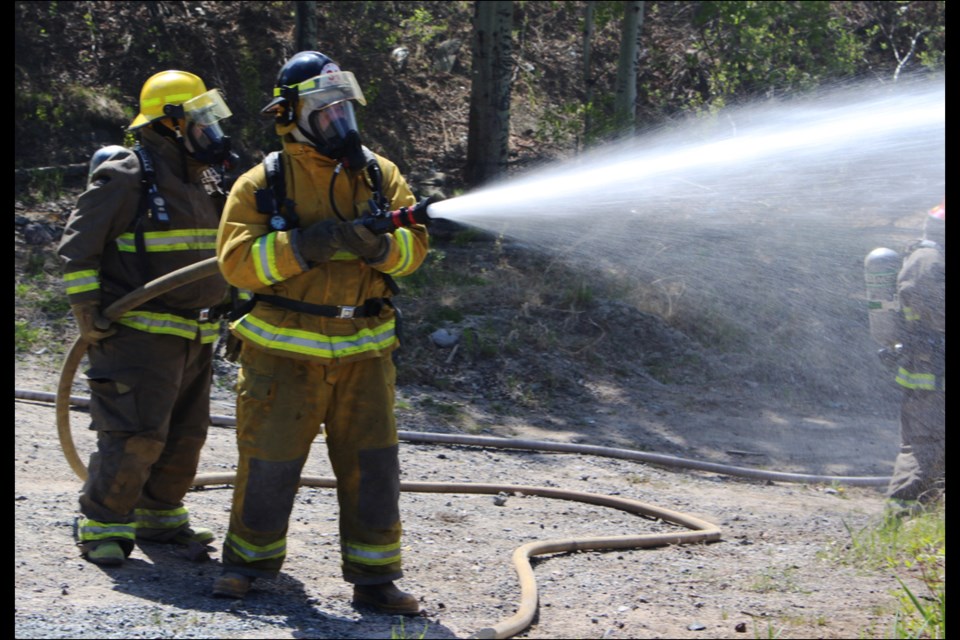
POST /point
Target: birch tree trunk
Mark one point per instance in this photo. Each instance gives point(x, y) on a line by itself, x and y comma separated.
point(488, 137)
point(625, 101)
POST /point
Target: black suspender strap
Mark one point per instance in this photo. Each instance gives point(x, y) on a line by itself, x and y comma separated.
point(370, 308)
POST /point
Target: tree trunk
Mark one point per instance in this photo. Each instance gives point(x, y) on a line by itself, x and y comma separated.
point(306, 31)
point(488, 137)
point(588, 28)
point(625, 103)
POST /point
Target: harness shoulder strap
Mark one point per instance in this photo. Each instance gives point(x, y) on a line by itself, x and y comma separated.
point(375, 177)
point(151, 197)
point(152, 200)
point(272, 200)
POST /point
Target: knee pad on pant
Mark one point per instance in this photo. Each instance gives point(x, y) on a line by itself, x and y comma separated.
point(270, 491)
point(379, 498)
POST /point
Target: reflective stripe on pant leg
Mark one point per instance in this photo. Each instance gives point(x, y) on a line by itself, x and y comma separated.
point(89, 532)
point(133, 382)
point(160, 524)
point(362, 443)
point(278, 416)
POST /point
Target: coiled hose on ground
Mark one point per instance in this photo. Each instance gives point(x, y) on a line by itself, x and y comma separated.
point(698, 530)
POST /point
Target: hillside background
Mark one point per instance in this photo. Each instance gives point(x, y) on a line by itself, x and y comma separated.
point(537, 335)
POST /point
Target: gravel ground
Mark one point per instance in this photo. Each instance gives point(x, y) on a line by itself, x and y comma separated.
point(771, 575)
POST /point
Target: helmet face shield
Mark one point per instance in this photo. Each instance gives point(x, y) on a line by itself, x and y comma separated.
point(330, 88)
point(206, 109)
point(205, 139)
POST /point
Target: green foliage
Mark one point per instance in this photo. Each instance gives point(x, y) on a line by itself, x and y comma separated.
point(46, 308)
point(561, 123)
point(50, 314)
point(444, 409)
point(466, 236)
point(421, 27)
point(480, 343)
point(912, 546)
point(580, 296)
point(778, 580)
point(750, 48)
point(402, 632)
point(432, 276)
point(46, 185)
point(607, 12)
point(25, 336)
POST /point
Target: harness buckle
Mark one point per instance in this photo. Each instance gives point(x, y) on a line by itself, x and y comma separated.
point(203, 315)
point(346, 312)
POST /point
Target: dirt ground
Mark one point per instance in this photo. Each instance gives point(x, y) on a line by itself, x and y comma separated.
point(773, 574)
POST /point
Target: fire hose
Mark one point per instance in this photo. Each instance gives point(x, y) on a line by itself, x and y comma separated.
point(698, 530)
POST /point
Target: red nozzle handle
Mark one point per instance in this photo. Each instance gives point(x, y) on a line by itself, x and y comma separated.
point(402, 217)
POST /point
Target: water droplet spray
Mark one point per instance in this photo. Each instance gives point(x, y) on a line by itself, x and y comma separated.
point(750, 225)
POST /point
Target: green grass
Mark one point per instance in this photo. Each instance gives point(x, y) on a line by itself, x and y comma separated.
point(48, 317)
point(401, 632)
point(25, 336)
point(915, 547)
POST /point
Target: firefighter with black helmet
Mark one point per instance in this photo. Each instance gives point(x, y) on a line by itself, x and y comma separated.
point(146, 212)
point(318, 339)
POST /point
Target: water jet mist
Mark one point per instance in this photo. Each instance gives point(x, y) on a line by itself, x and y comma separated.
point(752, 223)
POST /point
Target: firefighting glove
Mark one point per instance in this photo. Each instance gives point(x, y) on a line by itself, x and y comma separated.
point(891, 357)
point(359, 240)
point(319, 241)
point(94, 326)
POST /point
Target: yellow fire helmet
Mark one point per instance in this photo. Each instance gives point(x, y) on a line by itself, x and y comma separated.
point(161, 89)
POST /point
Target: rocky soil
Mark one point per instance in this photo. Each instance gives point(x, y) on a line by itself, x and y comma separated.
point(773, 574)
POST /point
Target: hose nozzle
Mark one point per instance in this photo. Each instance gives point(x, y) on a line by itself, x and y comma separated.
point(381, 222)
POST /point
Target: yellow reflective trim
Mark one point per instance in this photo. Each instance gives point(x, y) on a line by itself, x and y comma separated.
point(910, 315)
point(315, 344)
point(916, 381)
point(175, 98)
point(176, 240)
point(264, 255)
point(89, 530)
point(168, 324)
point(161, 518)
point(372, 555)
point(404, 240)
point(251, 552)
point(80, 281)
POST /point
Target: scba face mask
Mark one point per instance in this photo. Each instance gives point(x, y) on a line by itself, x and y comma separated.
point(204, 138)
point(334, 129)
point(327, 118)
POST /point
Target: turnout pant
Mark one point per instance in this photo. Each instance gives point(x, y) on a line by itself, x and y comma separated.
point(150, 407)
point(281, 404)
point(920, 465)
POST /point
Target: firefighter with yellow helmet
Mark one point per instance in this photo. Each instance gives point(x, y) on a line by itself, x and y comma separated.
point(317, 344)
point(146, 212)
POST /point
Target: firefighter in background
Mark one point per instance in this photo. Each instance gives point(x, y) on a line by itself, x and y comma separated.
point(316, 346)
point(146, 212)
point(918, 356)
